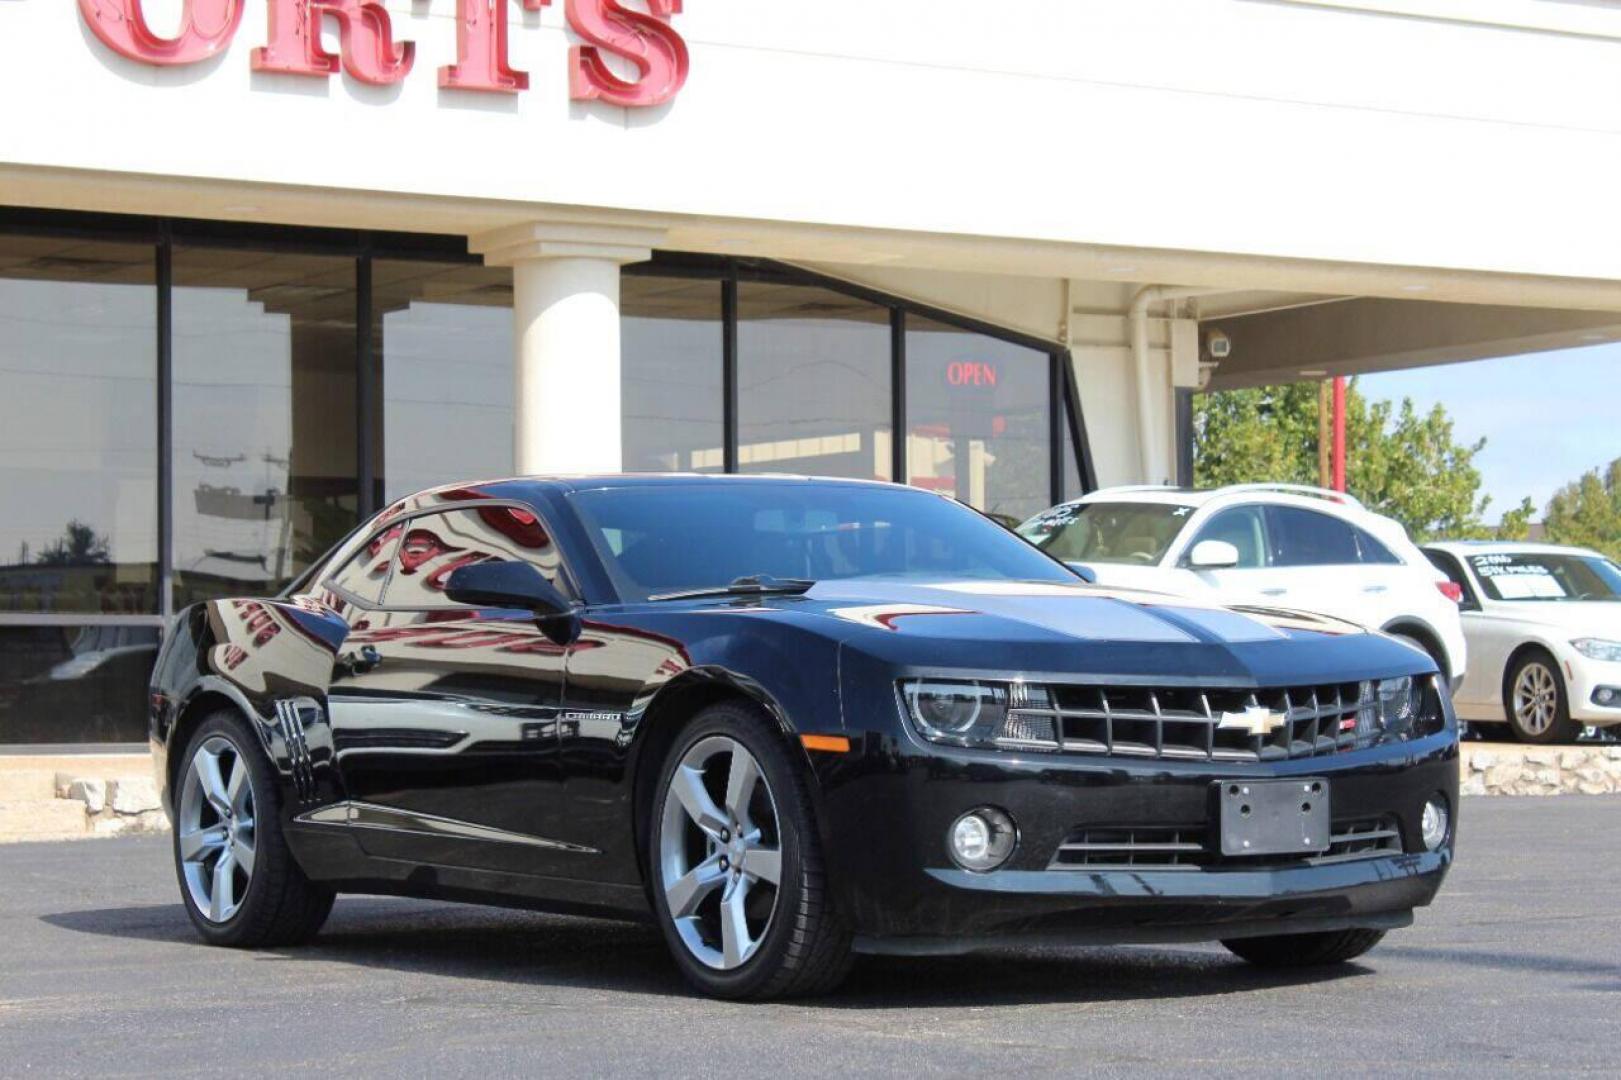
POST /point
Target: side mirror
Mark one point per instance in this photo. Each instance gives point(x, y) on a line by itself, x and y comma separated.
point(1084, 572)
point(1213, 555)
point(512, 584)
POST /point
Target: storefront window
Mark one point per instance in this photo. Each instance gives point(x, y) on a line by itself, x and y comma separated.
point(813, 383)
point(264, 417)
point(978, 420)
point(443, 332)
point(78, 426)
point(671, 371)
point(75, 684)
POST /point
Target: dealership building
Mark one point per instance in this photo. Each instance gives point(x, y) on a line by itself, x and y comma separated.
point(266, 265)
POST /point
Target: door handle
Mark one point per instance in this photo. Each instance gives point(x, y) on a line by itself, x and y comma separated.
point(1375, 588)
point(361, 660)
point(1278, 591)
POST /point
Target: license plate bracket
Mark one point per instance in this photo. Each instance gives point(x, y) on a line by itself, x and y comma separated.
point(1274, 817)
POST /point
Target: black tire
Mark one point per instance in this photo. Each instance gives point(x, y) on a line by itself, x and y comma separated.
point(1561, 729)
point(806, 946)
point(281, 906)
point(1305, 950)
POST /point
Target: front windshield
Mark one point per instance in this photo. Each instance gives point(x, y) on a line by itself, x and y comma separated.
point(1107, 532)
point(668, 538)
point(1547, 577)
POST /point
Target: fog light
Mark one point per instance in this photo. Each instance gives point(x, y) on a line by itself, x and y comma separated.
point(981, 840)
point(1433, 825)
point(1604, 695)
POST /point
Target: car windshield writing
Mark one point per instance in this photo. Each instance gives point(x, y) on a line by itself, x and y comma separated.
point(1108, 532)
point(669, 538)
point(1547, 577)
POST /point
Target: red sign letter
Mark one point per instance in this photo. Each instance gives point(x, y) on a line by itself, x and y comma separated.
point(646, 39)
point(365, 36)
point(481, 48)
point(206, 28)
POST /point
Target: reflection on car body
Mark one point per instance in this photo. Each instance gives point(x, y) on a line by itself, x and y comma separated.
point(788, 720)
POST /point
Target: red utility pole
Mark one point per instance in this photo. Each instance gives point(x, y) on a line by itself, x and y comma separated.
point(1339, 433)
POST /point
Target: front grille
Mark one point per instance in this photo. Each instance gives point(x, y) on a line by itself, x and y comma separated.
point(1199, 724)
point(1192, 848)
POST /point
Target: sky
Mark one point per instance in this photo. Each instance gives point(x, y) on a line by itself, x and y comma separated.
point(1546, 417)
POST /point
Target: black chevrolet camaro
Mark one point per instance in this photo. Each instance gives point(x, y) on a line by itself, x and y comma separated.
point(789, 721)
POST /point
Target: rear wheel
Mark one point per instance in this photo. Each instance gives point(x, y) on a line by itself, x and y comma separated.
point(1305, 950)
point(737, 875)
point(238, 880)
point(1535, 702)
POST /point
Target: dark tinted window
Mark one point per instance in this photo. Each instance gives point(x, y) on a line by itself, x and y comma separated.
point(687, 536)
point(1244, 528)
point(434, 545)
point(1535, 576)
point(1454, 572)
point(1372, 551)
point(1307, 538)
point(75, 683)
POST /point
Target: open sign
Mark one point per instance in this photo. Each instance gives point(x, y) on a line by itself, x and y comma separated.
point(971, 373)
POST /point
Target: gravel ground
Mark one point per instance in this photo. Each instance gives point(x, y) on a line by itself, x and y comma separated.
point(1517, 968)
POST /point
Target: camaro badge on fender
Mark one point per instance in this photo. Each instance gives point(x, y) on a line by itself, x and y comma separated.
point(1257, 720)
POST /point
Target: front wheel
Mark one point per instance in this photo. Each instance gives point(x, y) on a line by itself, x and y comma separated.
point(238, 880)
point(1305, 950)
point(736, 868)
point(1537, 709)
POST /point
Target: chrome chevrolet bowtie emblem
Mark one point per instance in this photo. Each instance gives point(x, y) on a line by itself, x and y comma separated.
point(1256, 720)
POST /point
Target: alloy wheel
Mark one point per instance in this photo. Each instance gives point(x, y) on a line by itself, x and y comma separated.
point(215, 832)
point(1536, 698)
point(720, 852)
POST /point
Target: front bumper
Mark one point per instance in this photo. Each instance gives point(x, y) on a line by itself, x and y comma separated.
point(888, 811)
point(1583, 677)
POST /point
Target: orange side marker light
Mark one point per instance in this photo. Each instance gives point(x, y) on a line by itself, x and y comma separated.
point(833, 744)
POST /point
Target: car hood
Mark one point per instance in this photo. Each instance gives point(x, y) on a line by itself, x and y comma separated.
point(1036, 610)
point(1073, 629)
point(1591, 618)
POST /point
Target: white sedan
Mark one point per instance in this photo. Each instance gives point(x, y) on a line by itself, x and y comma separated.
point(1544, 630)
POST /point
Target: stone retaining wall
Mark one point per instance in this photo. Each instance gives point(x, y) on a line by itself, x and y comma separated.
point(1510, 769)
point(115, 805)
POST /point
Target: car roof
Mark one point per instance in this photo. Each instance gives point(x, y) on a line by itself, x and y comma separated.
point(1505, 547)
point(1283, 494)
point(564, 483)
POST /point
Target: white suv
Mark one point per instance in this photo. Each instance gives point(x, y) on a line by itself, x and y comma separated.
point(1277, 545)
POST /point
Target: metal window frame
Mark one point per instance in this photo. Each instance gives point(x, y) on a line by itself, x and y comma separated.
point(1063, 391)
point(365, 247)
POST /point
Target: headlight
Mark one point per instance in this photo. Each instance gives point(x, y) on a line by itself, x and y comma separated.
point(1007, 716)
point(1407, 707)
point(1598, 648)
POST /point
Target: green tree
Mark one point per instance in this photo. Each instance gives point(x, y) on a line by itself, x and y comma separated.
point(1516, 523)
point(78, 546)
point(1587, 513)
point(1400, 462)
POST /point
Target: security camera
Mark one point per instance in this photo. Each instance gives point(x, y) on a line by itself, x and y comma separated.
point(1219, 344)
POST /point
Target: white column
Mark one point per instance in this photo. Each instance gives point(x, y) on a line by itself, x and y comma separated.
point(565, 310)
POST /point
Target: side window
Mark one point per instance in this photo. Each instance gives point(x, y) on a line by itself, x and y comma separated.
point(1307, 538)
point(366, 572)
point(1372, 551)
point(1242, 527)
point(432, 546)
point(1455, 573)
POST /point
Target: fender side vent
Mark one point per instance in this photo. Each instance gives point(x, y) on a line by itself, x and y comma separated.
point(289, 714)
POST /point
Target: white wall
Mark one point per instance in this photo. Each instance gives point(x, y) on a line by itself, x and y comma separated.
point(1312, 130)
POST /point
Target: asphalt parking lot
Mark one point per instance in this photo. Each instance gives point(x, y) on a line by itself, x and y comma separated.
point(1516, 969)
